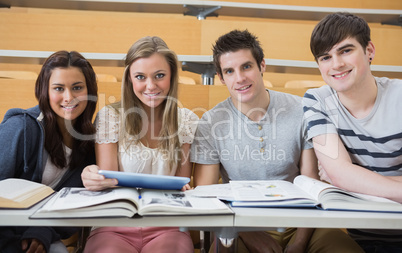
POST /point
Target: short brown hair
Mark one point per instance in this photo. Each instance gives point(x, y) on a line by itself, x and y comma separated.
point(335, 28)
point(234, 41)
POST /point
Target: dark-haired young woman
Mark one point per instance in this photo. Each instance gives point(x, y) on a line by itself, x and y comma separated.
point(50, 143)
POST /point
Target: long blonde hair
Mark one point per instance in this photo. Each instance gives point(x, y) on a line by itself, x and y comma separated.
point(131, 116)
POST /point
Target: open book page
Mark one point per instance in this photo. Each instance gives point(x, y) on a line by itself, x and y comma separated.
point(220, 191)
point(342, 200)
point(312, 186)
point(265, 193)
point(269, 190)
point(109, 209)
point(71, 198)
point(177, 202)
point(20, 193)
point(334, 198)
point(126, 202)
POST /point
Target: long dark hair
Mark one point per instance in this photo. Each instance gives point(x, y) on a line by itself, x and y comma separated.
point(83, 124)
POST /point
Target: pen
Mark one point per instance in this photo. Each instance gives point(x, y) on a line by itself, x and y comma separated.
point(139, 193)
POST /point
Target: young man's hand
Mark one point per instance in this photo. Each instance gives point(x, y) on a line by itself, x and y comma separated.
point(32, 246)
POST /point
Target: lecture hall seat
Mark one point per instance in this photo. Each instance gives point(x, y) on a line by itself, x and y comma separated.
point(304, 84)
point(106, 78)
point(186, 80)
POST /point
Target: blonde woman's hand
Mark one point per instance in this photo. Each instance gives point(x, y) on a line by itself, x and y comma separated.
point(186, 187)
point(94, 181)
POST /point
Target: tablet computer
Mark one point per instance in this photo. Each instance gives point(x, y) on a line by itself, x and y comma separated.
point(150, 181)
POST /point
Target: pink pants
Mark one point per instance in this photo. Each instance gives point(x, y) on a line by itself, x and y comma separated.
point(134, 239)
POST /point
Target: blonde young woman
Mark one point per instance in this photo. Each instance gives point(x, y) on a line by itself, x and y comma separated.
point(144, 133)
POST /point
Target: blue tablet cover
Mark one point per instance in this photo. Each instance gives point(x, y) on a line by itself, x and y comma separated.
point(150, 181)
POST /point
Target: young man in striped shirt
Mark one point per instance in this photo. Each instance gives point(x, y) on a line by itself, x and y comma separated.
point(355, 121)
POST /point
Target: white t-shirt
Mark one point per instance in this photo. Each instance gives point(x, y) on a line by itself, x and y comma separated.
point(51, 174)
point(138, 158)
point(247, 150)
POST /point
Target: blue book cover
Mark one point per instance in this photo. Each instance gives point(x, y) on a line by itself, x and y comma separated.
point(148, 181)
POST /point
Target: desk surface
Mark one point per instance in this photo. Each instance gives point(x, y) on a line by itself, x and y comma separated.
point(315, 218)
point(244, 219)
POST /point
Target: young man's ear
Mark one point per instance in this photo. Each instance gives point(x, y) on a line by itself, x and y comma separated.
point(370, 51)
point(221, 78)
point(263, 66)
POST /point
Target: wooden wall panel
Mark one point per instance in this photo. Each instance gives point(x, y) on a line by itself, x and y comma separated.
point(86, 31)
point(279, 79)
point(366, 4)
point(16, 93)
point(114, 32)
point(194, 97)
point(280, 40)
point(217, 94)
point(387, 40)
point(291, 39)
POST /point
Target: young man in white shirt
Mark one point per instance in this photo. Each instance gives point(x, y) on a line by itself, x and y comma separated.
point(258, 134)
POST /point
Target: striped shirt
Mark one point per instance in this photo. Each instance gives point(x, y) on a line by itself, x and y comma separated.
point(373, 142)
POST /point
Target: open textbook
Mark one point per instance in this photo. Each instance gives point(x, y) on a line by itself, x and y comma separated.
point(126, 202)
point(20, 193)
point(304, 192)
